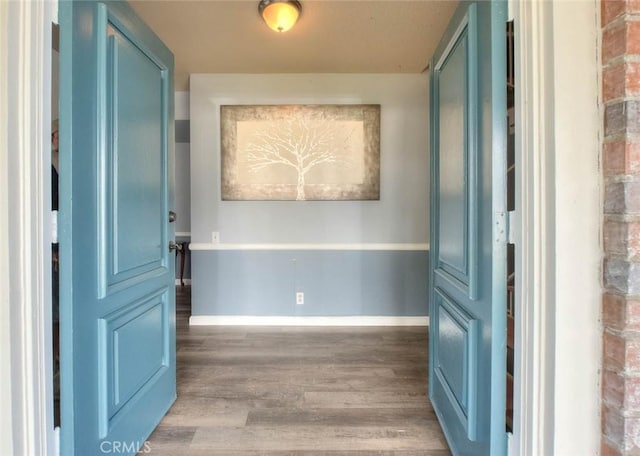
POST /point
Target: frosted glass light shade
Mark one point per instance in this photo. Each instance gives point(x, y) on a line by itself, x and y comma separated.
point(280, 15)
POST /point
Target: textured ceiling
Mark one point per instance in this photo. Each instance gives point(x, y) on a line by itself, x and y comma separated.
point(332, 36)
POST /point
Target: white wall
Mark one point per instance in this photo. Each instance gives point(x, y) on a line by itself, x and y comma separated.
point(401, 215)
point(182, 169)
point(181, 105)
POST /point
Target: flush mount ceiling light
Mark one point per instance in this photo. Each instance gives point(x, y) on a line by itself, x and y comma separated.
point(280, 15)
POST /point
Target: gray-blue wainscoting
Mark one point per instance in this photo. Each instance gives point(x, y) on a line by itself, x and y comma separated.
point(334, 282)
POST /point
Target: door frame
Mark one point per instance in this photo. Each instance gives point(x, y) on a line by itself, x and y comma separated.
point(25, 266)
point(534, 338)
point(558, 140)
point(27, 425)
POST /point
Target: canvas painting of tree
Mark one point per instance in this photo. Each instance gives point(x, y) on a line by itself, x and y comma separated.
point(300, 152)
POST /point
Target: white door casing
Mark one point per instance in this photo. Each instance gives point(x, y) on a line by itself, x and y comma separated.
point(25, 267)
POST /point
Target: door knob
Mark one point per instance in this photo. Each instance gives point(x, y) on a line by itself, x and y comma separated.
point(172, 216)
point(174, 246)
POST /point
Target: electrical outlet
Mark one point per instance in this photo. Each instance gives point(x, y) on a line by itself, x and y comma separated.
point(215, 237)
point(299, 298)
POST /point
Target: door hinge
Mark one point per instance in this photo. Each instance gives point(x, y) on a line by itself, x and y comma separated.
point(505, 228)
point(511, 227)
point(500, 228)
point(56, 441)
point(54, 227)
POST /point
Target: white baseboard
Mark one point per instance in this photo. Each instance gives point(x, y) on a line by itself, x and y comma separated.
point(370, 246)
point(186, 281)
point(249, 320)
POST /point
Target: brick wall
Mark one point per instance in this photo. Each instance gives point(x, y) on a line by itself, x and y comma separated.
point(621, 167)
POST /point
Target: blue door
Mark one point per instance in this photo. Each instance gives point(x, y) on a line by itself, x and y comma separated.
point(467, 370)
point(117, 277)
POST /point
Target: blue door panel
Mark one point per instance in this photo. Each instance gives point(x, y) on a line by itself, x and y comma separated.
point(452, 356)
point(137, 177)
point(455, 132)
point(467, 370)
point(138, 354)
point(453, 221)
point(118, 297)
point(456, 359)
point(136, 189)
point(133, 364)
point(129, 364)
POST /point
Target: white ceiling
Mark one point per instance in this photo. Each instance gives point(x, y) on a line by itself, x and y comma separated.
point(331, 36)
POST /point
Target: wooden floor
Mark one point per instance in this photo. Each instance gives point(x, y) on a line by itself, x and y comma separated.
point(299, 392)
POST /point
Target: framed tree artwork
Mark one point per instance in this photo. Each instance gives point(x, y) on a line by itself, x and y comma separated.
point(300, 152)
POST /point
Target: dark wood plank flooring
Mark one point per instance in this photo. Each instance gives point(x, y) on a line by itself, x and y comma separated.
point(304, 391)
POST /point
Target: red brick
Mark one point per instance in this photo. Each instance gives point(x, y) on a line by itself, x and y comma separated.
point(620, 39)
point(632, 355)
point(621, 433)
point(633, 241)
point(613, 425)
point(621, 157)
point(613, 81)
point(614, 42)
point(613, 158)
point(621, 80)
point(613, 388)
point(633, 38)
point(632, 157)
point(632, 315)
point(614, 311)
point(631, 439)
point(632, 394)
point(611, 9)
point(613, 351)
point(632, 196)
point(620, 312)
point(622, 353)
point(607, 449)
point(615, 237)
point(621, 391)
point(622, 239)
point(632, 78)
